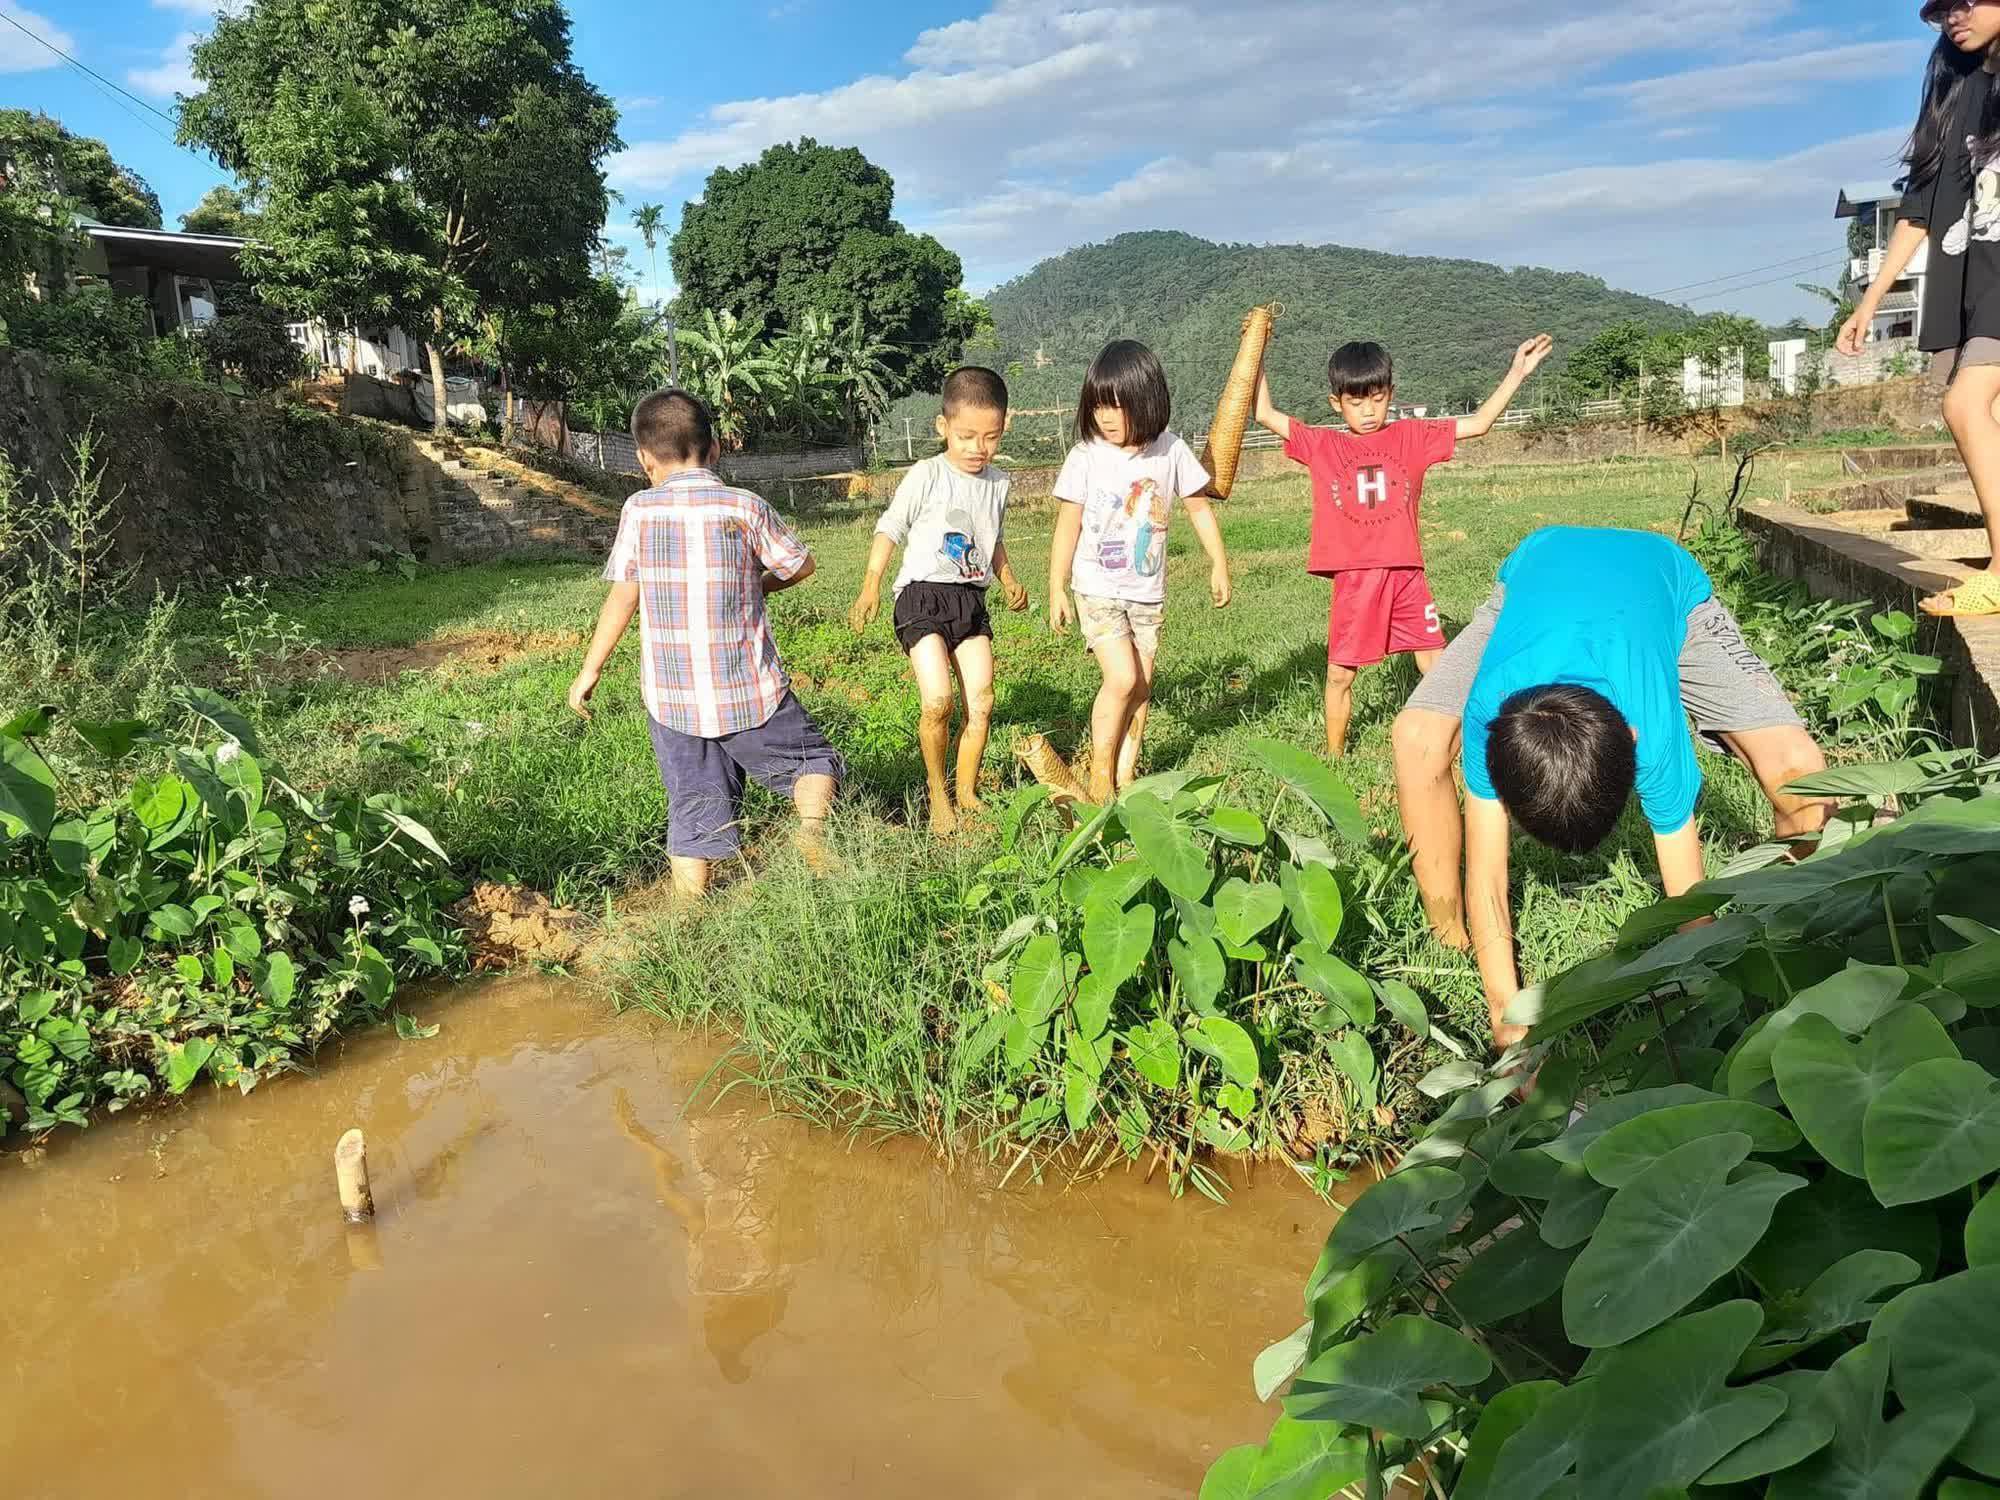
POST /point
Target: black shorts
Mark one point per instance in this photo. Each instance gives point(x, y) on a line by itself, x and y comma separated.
point(956, 611)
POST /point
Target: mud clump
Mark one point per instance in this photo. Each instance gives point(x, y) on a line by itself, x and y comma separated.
point(508, 926)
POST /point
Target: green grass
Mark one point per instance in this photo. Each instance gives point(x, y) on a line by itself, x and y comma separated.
point(845, 988)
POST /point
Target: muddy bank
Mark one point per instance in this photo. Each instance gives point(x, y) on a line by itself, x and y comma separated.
point(582, 1292)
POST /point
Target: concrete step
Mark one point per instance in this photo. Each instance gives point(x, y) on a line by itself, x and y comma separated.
point(1960, 544)
point(1943, 510)
point(1888, 460)
point(1889, 491)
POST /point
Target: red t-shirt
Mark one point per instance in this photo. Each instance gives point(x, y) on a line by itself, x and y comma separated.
point(1366, 491)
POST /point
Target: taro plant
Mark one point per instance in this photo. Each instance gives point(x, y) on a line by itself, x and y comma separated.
point(209, 919)
point(1178, 986)
point(1740, 1239)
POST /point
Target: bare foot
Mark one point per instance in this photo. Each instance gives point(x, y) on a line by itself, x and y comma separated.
point(944, 822)
point(970, 804)
point(1101, 791)
point(1454, 936)
point(1505, 1036)
point(811, 844)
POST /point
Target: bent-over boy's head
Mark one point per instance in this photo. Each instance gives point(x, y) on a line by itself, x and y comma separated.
point(973, 419)
point(1563, 762)
point(1362, 380)
point(673, 430)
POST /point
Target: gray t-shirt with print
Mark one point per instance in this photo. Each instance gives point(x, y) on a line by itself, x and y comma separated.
point(947, 522)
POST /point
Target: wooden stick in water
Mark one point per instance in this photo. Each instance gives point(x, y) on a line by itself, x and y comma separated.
point(350, 1171)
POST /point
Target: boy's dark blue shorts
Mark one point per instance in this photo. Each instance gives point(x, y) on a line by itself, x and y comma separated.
point(704, 778)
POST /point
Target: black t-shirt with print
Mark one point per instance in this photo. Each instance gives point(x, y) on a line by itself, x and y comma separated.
point(1961, 208)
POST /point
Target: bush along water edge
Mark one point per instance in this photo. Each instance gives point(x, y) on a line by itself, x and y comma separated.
point(1741, 1237)
point(203, 919)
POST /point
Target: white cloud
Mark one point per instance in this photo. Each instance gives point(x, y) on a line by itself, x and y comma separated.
point(1765, 81)
point(24, 54)
point(204, 7)
point(640, 102)
point(173, 74)
point(1041, 124)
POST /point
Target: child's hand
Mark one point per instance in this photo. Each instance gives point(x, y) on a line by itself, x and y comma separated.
point(1062, 614)
point(867, 605)
point(1218, 586)
point(1853, 333)
point(1016, 591)
point(1528, 358)
point(580, 691)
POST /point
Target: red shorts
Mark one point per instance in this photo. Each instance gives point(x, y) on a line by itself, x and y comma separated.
point(1379, 612)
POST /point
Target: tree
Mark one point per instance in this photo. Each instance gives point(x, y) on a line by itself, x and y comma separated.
point(649, 220)
point(727, 367)
point(862, 363)
point(37, 155)
point(808, 228)
point(419, 162)
point(222, 210)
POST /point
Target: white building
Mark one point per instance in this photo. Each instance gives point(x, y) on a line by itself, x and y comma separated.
point(1902, 312)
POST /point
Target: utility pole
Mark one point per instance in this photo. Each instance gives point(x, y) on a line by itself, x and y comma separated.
point(673, 357)
point(909, 441)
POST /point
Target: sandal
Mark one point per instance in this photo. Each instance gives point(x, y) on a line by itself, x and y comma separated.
point(1977, 595)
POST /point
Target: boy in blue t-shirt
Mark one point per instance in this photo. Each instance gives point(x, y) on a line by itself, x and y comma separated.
point(1571, 689)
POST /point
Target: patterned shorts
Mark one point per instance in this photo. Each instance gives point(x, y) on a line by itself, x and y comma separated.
point(1107, 620)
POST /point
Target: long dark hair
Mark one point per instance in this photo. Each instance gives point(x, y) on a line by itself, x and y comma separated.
point(1129, 376)
point(1949, 71)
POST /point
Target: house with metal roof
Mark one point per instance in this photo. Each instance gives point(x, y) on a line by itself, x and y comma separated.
point(1873, 206)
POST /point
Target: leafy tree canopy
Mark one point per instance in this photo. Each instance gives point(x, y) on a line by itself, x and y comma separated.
point(222, 210)
point(808, 229)
point(420, 161)
point(40, 157)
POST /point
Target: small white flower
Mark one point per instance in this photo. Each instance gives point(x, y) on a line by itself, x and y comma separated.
point(358, 907)
point(226, 752)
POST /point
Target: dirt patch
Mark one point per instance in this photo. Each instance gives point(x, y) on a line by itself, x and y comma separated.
point(478, 653)
point(507, 926)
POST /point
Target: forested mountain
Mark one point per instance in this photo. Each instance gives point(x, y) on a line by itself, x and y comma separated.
point(1452, 325)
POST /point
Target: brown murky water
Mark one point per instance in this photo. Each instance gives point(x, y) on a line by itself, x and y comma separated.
point(582, 1293)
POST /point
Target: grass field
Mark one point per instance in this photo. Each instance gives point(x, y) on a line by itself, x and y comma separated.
point(837, 985)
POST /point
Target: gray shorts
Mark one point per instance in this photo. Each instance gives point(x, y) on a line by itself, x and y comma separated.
point(704, 778)
point(1946, 363)
point(1725, 686)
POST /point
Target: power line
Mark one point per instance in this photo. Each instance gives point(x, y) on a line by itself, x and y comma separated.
point(1746, 271)
point(1730, 291)
point(80, 67)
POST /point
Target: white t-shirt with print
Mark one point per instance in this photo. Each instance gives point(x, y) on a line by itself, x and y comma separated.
point(947, 522)
point(1128, 502)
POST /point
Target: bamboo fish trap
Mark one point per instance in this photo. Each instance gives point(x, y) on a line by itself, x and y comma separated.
point(1224, 449)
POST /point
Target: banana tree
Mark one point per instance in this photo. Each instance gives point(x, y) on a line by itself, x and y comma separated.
point(860, 360)
point(728, 368)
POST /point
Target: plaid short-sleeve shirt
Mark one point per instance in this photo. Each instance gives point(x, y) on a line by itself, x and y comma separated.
point(698, 551)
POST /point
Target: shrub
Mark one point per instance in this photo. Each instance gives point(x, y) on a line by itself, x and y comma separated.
point(250, 344)
point(1741, 1233)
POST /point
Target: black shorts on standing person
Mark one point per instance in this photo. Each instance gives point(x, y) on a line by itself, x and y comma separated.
point(955, 611)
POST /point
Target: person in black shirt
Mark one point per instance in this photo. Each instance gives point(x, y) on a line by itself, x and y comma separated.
point(1951, 197)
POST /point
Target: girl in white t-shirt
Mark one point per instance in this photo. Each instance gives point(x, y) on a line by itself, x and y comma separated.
point(1118, 488)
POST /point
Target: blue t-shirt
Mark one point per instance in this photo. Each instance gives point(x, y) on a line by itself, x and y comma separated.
point(1606, 610)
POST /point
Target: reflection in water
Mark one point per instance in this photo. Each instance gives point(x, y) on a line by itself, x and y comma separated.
point(184, 1314)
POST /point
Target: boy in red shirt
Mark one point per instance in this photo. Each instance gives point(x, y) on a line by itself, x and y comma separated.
point(1367, 483)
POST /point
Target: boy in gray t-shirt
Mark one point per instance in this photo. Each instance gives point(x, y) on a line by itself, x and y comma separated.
point(947, 518)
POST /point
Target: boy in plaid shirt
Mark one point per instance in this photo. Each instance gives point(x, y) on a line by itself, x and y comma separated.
point(695, 560)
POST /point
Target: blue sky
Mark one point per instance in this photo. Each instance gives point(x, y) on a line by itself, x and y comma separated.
point(1693, 149)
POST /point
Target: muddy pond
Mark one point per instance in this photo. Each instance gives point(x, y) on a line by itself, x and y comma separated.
point(578, 1286)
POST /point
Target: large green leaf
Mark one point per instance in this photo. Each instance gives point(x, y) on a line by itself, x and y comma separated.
point(1375, 1380)
point(1235, 825)
point(1303, 1461)
point(1666, 1237)
point(1516, 1272)
point(1828, 1084)
point(1664, 1415)
point(1665, 918)
point(113, 741)
point(1200, 967)
point(1572, 1145)
point(27, 789)
point(1982, 1231)
point(1281, 1361)
point(1156, 1052)
point(1228, 1478)
point(1400, 1204)
point(1848, 1292)
point(1405, 1004)
point(1230, 1045)
point(1544, 1448)
point(185, 1061)
point(1621, 1153)
point(1966, 1489)
point(1576, 1206)
point(1095, 997)
point(1356, 1060)
point(1308, 775)
point(1312, 895)
point(1116, 942)
point(1694, 953)
point(1816, 1229)
point(1944, 1346)
point(1039, 975)
point(1933, 1130)
point(1342, 986)
point(1169, 850)
point(1505, 1415)
point(1244, 910)
point(1853, 1000)
point(1804, 1429)
point(1870, 1459)
point(223, 715)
